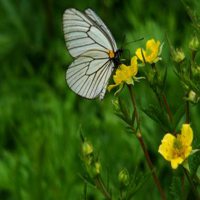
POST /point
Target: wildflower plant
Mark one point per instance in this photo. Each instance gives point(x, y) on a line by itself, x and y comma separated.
point(176, 149)
point(152, 52)
point(176, 126)
point(125, 75)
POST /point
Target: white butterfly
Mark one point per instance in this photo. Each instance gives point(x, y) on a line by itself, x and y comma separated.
point(95, 51)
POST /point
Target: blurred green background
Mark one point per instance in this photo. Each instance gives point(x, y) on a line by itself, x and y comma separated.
point(40, 117)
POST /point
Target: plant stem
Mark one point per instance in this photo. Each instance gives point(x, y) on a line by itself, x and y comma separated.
point(100, 185)
point(162, 96)
point(187, 112)
point(142, 144)
point(85, 191)
point(167, 107)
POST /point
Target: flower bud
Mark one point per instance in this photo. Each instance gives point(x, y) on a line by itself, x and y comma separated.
point(192, 97)
point(194, 43)
point(115, 103)
point(123, 177)
point(94, 169)
point(97, 167)
point(87, 148)
point(178, 55)
point(196, 71)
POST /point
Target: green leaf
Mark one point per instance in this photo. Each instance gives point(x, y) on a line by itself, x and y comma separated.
point(121, 116)
point(178, 116)
point(125, 113)
point(138, 179)
point(176, 189)
point(160, 117)
point(194, 162)
point(195, 18)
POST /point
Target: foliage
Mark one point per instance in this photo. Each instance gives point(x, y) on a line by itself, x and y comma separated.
point(40, 117)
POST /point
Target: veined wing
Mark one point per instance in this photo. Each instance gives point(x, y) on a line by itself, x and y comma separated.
point(83, 34)
point(88, 75)
point(91, 14)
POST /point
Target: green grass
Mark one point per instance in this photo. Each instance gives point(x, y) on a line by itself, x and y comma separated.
point(41, 118)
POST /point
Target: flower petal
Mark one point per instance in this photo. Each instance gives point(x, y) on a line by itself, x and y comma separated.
point(188, 151)
point(175, 162)
point(110, 87)
point(139, 53)
point(150, 43)
point(186, 135)
point(134, 66)
point(166, 148)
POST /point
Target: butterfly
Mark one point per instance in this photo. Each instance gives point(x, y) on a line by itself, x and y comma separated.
point(95, 53)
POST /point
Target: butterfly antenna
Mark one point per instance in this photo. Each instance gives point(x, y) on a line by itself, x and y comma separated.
point(137, 40)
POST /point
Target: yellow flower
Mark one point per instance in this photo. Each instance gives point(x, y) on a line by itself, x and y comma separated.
point(152, 52)
point(177, 149)
point(125, 74)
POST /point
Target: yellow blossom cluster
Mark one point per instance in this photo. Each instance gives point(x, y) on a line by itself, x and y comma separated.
point(127, 74)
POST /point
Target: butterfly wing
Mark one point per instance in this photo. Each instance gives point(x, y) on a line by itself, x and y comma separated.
point(91, 14)
point(88, 75)
point(89, 41)
point(82, 34)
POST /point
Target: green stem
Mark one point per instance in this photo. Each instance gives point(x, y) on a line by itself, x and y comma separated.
point(142, 144)
point(85, 191)
point(187, 112)
point(167, 107)
point(134, 107)
point(100, 185)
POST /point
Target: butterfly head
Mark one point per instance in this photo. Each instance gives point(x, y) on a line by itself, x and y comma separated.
point(116, 57)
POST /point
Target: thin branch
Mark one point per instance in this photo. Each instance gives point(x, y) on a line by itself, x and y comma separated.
point(142, 144)
point(100, 185)
point(167, 107)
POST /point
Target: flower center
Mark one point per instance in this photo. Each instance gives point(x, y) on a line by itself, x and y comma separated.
point(177, 144)
point(179, 149)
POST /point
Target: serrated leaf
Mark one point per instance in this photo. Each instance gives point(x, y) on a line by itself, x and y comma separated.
point(121, 116)
point(194, 162)
point(136, 183)
point(131, 130)
point(193, 85)
point(195, 18)
point(124, 110)
point(158, 116)
point(176, 189)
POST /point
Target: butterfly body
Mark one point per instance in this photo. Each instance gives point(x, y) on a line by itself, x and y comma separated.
point(95, 51)
point(116, 58)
